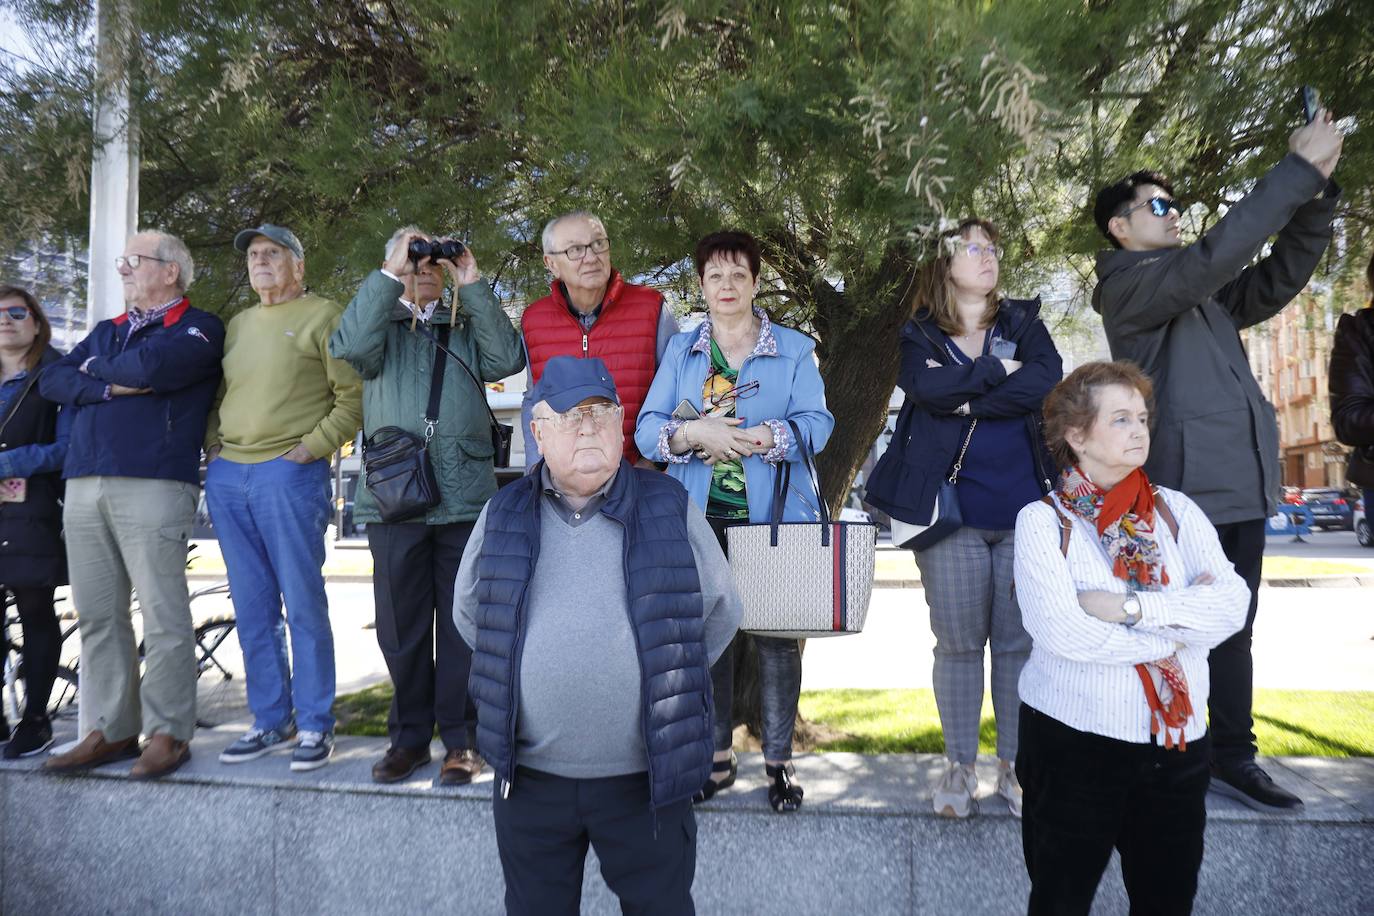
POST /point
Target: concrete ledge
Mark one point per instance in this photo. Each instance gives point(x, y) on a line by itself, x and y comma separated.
point(256, 838)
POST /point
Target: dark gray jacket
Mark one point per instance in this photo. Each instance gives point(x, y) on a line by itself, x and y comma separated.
point(1178, 314)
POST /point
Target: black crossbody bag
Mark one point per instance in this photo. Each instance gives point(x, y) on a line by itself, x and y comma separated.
point(500, 432)
point(396, 462)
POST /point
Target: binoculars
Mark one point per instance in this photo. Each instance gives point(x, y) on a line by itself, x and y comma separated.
point(441, 249)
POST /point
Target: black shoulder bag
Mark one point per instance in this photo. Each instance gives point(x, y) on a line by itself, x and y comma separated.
point(396, 462)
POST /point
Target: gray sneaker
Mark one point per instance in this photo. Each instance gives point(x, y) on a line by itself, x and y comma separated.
point(313, 751)
point(955, 796)
point(256, 742)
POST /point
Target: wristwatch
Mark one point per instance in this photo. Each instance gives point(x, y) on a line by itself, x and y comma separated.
point(1131, 608)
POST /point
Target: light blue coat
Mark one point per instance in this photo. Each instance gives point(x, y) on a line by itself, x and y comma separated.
point(790, 388)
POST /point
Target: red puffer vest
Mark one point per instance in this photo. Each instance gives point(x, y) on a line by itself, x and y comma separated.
point(625, 337)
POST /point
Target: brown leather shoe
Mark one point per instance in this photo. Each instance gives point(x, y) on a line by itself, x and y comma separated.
point(460, 768)
point(399, 763)
point(163, 754)
point(93, 751)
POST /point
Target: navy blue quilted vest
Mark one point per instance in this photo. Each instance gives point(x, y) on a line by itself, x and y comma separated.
point(664, 598)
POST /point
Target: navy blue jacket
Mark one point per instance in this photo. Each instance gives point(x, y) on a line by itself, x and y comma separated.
point(664, 598)
point(157, 435)
point(929, 433)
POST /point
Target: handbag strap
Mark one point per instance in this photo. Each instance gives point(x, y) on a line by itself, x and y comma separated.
point(959, 462)
point(14, 408)
point(481, 389)
point(436, 386)
point(782, 479)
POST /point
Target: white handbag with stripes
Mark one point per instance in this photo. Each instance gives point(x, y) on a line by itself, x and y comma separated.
point(802, 580)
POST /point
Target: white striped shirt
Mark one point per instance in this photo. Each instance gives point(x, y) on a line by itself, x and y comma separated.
point(1081, 670)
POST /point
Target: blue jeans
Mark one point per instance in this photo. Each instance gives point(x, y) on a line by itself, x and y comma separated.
point(271, 518)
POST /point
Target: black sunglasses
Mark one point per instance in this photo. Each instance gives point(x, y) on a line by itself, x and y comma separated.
point(17, 312)
point(1159, 206)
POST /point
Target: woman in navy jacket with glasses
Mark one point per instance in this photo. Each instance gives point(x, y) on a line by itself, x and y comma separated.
point(970, 356)
point(720, 413)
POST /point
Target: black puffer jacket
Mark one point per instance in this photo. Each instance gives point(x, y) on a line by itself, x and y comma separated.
point(1351, 379)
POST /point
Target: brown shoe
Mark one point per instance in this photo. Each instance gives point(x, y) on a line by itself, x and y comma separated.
point(164, 754)
point(399, 763)
point(93, 751)
point(460, 768)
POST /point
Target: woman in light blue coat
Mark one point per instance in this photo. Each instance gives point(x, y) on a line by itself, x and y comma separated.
point(721, 412)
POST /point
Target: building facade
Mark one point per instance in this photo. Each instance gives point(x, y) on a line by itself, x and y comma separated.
point(1290, 355)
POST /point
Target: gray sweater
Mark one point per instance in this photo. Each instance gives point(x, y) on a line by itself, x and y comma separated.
point(579, 690)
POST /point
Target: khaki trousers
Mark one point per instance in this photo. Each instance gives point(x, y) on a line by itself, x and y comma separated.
point(125, 532)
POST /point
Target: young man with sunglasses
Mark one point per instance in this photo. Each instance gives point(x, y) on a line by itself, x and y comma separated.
point(1177, 310)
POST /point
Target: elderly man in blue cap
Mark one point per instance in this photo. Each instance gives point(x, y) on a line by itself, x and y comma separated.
point(595, 599)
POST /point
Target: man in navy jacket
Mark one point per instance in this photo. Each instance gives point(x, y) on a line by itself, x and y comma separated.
point(141, 385)
point(595, 598)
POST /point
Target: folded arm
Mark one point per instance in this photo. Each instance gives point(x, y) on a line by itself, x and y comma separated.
point(1049, 602)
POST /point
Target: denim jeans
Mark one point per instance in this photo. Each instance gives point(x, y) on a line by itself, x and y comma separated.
point(271, 518)
point(780, 677)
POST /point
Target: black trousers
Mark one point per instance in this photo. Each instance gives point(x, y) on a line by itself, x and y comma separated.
point(413, 569)
point(1232, 666)
point(544, 827)
point(1085, 795)
point(42, 648)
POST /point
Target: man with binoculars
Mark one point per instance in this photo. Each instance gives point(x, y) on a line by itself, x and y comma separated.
point(410, 384)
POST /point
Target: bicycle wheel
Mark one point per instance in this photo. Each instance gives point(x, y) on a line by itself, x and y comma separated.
point(62, 700)
point(220, 694)
point(62, 703)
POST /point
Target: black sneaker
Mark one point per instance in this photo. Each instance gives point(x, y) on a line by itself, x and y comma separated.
point(29, 738)
point(1251, 786)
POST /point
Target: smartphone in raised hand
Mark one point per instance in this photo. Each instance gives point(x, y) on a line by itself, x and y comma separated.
point(1311, 102)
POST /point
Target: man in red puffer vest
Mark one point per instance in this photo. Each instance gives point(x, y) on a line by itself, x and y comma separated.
point(592, 311)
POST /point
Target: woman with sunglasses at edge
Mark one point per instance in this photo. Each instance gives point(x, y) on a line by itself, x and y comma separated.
point(718, 413)
point(975, 368)
point(33, 561)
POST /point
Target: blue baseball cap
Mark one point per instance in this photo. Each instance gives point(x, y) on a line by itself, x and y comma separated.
point(568, 381)
point(279, 234)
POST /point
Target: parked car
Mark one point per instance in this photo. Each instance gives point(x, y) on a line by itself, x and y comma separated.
point(1361, 525)
point(1330, 508)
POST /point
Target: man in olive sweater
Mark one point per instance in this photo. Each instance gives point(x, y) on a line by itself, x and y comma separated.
point(285, 405)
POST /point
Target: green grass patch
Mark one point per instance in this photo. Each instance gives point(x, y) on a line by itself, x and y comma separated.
point(364, 712)
point(1292, 723)
point(1288, 723)
point(1306, 568)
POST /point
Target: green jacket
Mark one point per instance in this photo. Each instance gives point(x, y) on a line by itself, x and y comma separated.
point(396, 364)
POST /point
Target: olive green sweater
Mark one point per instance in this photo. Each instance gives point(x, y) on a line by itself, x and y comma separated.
point(281, 387)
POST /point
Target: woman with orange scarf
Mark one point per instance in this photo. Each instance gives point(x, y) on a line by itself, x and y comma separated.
point(1124, 589)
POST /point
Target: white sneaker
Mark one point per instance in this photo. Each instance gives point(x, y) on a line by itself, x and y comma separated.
point(1009, 787)
point(955, 794)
